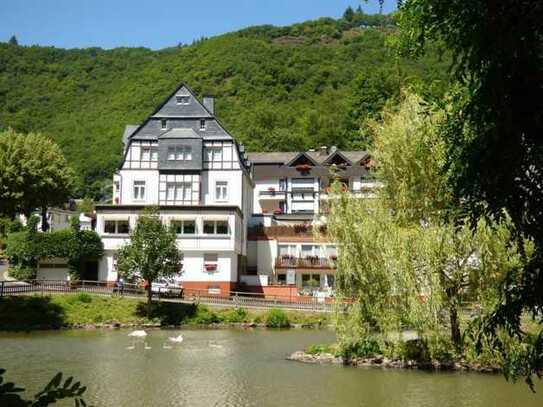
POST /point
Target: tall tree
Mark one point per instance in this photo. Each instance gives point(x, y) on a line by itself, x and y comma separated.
point(13, 40)
point(348, 15)
point(151, 253)
point(33, 174)
point(495, 149)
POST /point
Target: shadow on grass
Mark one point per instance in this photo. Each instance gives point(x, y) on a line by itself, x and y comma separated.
point(168, 313)
point(24, 313)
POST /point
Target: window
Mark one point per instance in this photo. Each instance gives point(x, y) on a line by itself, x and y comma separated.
point(139, 190)
point(182, 100)
point(179, 153)
point(215, 227)
point(311, 280)
point(184, 227)
point(202, 124)
point(281, 279)
point(145, 154)
point(154, 153)
point(116, 227)
point(221, 191)
point(163, 124)
point(214, 154)
point(178, 191)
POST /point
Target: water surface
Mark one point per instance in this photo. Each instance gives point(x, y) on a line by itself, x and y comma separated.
point(235, 368)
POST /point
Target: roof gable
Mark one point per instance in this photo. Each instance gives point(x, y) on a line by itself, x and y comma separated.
point(171, 107)
point(301, 159)
point(337, 158)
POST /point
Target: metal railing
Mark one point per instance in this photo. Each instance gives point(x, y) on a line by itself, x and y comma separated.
point(219, 297)
point(307, 262)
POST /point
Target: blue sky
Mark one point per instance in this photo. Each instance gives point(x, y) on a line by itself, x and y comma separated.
point(114, 23)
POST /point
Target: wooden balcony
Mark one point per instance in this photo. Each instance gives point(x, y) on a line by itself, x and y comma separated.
point(310, 262)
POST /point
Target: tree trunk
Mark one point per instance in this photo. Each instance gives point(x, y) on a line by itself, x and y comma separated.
point(456, 336)
point(44, 224)
point(149, 299)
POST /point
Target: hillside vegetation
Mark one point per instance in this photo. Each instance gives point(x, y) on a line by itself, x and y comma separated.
point(300, 86)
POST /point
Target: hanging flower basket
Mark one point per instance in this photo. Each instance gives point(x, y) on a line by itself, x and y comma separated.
point(303, 167)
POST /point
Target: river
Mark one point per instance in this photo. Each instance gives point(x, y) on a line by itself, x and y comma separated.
point(234, 368)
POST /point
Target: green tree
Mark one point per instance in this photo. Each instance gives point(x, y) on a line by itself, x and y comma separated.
point(151, 253)
point(495, 151)
point(348, 15)
point(13, 40)
point(33, 174)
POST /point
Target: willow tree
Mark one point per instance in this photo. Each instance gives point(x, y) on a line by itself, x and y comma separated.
point(405, 256)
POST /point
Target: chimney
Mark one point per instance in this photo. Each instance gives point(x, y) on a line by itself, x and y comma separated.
point(323, 150)
point(209, 103)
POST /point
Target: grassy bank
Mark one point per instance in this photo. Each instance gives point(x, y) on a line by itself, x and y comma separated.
point(43, 312)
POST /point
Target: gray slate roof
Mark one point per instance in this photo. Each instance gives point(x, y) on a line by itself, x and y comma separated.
point(317, 156)
point(180, 133)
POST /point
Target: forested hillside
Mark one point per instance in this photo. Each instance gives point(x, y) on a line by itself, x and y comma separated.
point(277, 88)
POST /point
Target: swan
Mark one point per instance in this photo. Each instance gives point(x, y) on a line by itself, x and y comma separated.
point(138, 334)
point(176, 339)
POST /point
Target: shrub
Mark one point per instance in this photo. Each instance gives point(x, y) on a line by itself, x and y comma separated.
point(321, 348)
point(414, 349)
point(368, 347)
point(21, 273)
point(276, 318)
point(236, 315)
point(440, 348)
point(205, 316)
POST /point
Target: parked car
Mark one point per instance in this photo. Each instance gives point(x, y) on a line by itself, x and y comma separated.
point(166, 288)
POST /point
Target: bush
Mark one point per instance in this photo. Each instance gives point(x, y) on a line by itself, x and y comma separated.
point(276, 318)
point(319, 349)
point(236, 315)
point(22, 272)
point(440, 348)
point(204, 316)
point(368, 347)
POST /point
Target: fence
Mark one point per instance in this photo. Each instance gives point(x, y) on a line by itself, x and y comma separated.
point(228, 298)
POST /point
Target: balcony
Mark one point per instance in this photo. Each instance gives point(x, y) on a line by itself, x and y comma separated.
point(309, 262)
point(272, 195)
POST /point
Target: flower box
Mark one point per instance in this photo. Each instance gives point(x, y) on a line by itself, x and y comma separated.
point(271, 189)
point(303, 167)
point(333, 257)
point(277, 211)
point(210, 267)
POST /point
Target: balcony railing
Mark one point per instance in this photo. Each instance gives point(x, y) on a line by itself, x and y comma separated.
point(272, 194)
point(305, 262)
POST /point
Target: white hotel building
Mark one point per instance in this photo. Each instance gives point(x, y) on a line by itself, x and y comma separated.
point(242, 219)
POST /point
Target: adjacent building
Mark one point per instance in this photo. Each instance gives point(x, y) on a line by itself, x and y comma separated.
point(243, 220)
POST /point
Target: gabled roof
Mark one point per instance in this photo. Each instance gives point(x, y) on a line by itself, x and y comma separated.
point(272, 157)
point(299, 156)
point(335, 154)
point(287, 157)
point(170, 107)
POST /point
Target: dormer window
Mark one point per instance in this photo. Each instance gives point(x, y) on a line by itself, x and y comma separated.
point(163, 124)
point(202, 124)
point(182, 100)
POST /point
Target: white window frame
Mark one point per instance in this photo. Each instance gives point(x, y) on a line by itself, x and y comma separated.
point(214, 154)
point(145, 151)
point(224, 189)
point(138, 191)
point(180, 190)
point(116, 222)
point(215, 228)
point(182, 224)
point(182, 99)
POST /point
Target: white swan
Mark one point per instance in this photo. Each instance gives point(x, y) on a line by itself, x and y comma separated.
point(138, 334)
point(176, 339)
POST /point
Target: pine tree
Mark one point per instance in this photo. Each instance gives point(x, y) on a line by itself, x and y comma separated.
point(13, 40)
